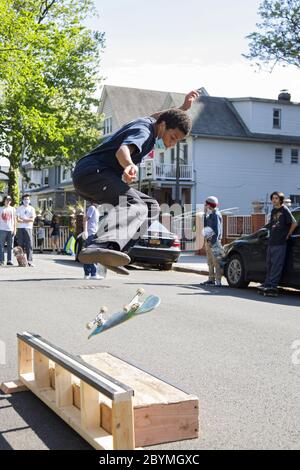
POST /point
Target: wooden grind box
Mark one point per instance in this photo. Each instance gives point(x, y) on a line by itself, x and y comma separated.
point(162, 412)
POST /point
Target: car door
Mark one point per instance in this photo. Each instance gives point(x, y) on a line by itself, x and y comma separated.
point(257, 256)
point(291, 274)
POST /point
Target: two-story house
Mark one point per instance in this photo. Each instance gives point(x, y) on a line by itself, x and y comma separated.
point(50, 188)
point(240, 150)
point(245, 148)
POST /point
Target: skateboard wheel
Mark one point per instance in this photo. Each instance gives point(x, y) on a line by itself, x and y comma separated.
point(103, 309)
point(140, 291)
point(89, 325)
point(126, 308)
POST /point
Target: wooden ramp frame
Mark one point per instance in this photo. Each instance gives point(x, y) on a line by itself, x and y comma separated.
point(35, 353)
point(89, 393)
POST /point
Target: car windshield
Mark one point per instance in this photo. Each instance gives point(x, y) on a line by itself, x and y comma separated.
point(296, 214)
point(157, 228)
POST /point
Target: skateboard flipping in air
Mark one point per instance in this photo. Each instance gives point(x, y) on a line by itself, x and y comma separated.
point(135, 307)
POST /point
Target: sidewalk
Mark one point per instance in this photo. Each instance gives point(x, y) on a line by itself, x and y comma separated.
point(191, 263)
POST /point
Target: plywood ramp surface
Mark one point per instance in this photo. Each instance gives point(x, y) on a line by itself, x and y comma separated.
point(148, 390)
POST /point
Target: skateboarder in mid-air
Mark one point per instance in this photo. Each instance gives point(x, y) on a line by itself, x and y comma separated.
point(103, 177)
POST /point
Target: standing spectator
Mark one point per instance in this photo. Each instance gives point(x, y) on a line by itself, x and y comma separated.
point(281, 225)
point(213, 220)
point(90, 226)
point(41, 236)
point(54, 233)
point(25, 218)
point(7, 229)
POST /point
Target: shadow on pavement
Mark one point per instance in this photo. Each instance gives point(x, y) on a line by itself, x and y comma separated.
point(42, 279)
point(45, 424)
point(286, 296)
point(68, 262)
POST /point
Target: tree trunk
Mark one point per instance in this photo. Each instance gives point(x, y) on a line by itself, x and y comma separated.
point(13, 183)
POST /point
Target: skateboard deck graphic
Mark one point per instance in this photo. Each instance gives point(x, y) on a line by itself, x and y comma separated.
point(134, 308)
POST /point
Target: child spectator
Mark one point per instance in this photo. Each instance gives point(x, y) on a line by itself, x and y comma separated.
point(54, 233)
point(41, 236)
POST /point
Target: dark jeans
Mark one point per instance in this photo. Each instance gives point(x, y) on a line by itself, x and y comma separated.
point(6, 236)
point(90, 269)
point(130, 212)
point(24, 236)
point(275, 264)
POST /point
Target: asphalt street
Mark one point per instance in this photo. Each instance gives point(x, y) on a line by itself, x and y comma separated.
point(231, 348)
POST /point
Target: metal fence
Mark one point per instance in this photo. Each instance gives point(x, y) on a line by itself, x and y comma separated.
point(238, 225)
point(185, 228)
point(63, 236)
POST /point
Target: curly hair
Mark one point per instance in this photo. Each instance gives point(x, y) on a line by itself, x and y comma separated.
point(176, 119)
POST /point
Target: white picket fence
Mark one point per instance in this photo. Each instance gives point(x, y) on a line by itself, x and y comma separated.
point(63, 236)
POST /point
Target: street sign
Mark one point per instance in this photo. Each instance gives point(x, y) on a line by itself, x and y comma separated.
point(149, 169)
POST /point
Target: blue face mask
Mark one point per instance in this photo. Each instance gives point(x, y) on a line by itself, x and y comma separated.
point(159, 144)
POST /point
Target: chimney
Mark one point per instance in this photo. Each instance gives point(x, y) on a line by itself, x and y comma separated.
point(284, 95)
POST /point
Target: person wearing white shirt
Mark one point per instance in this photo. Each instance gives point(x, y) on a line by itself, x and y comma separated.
point(7, 229)
point(90, 222)
point(25, 218)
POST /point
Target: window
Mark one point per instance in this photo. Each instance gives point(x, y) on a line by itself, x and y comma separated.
point(57, 175)
point(42, 204)
point(278, 155)
point(276, 118)
point(162, 158)
point(65, 174)
point(45, 177)
point(107, 128)
point(295, 156)
point(184, 155)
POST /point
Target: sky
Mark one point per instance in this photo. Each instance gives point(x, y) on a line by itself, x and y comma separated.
point(180, 45)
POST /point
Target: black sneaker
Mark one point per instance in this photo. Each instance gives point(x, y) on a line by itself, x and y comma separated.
point(10, 263)
point(208, 283)
point(107, 257)
point(119, 270)
point(261, 287)
point(271, 291)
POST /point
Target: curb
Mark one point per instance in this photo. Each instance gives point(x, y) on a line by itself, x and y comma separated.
point(190, 270)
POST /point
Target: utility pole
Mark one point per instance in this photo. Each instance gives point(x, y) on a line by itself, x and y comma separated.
point(177, 188)
point(140, 177)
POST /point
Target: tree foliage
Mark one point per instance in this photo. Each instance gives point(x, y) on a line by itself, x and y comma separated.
point(49, 72)
point(278, 37)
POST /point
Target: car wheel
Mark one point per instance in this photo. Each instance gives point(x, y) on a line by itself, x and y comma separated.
point(165, 267)
point(235, 272)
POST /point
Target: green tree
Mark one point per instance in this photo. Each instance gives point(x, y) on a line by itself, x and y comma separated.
point(277, 40)
point(49, 73)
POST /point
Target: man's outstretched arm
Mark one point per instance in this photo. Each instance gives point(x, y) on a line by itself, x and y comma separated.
point(188, 101)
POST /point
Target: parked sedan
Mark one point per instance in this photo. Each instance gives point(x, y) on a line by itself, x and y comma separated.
point(158, 248)
point(246, 259)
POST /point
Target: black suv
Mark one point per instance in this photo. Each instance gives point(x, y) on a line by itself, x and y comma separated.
point(246, 258)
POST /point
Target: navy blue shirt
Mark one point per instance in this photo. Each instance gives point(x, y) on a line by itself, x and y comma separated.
point(140, 133)
point(280, 224)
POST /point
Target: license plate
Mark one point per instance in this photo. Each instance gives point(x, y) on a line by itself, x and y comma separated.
point(154, 242)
